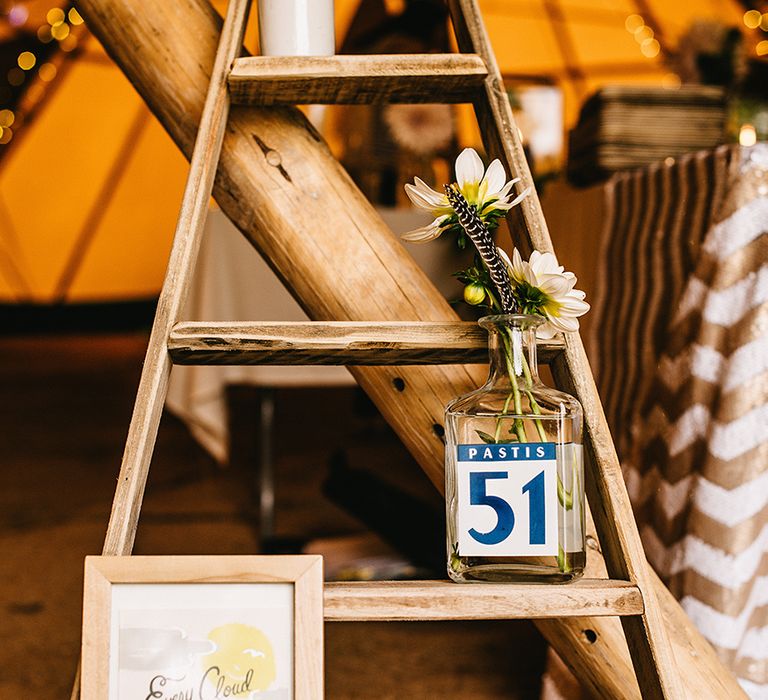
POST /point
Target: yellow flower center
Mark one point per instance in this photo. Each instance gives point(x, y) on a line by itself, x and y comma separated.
point(471, 192)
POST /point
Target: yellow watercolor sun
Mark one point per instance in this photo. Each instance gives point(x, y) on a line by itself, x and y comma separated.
point(241, 649)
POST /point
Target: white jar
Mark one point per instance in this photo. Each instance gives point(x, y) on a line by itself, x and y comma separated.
point(296, 28)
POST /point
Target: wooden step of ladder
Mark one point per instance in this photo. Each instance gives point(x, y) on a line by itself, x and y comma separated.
point(335, 343)
point(445, 600)
point(411, 78)
point(474, 76)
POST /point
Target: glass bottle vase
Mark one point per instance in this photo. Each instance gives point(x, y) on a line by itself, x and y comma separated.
point(514, 469)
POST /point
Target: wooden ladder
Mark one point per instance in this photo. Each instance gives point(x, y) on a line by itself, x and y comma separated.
point(471, 76)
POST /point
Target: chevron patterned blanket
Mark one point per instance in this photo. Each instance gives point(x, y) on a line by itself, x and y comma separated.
point(680, 352)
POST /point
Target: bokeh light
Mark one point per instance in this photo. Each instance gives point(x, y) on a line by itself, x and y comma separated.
point(633, 23)
point(643, 33)
point(68, 44)
point(75, 18)
point(60, 31)
point(44, 34)
point(752, 19)
point(55, 16)
point(7, 117)
point(15, 76)
point(650, 48)
point(18, 15)
point(747, 135)
point(671, 80)
point(26, 60)
point(47, 72)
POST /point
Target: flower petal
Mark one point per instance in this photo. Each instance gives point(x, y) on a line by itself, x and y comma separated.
point(521, 271)
point(573, 307)
point(504, 191)
point(505, 258)
point(544, 264)
point(567, 324)
point(554, 285)
point(546, 331)
point(427, 192)
point(469, 167)
point(417, 198)
point(425, 233)
point(424, 199)
point(520, 197)
point(494, 179)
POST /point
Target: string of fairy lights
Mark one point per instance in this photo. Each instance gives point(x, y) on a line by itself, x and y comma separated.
point(754, 19)
point(650, 47)
point(28, 58)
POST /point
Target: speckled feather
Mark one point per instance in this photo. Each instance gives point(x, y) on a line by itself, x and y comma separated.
point(486, 248)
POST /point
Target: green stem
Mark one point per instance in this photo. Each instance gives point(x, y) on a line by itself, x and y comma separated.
point(537, 411)
point(534, 405)
point(505, 410)
point(519, 428)
point(565, 497)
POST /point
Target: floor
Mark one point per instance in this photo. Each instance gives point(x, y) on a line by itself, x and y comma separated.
point(65, 404)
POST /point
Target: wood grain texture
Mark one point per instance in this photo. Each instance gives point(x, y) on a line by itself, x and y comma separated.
point(97, 602)
point(280, 185)
point(339, 343)
point(205, 568)
point(273, 80)
point(308, 634)
point(443, 600)
point(153, 385)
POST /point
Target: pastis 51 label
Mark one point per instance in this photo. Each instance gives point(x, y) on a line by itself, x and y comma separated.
point(507, 499)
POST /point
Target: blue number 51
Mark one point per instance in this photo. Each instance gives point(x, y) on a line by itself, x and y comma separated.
point(505, 516)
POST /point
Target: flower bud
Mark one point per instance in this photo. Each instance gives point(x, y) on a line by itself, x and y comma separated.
point(474, 293)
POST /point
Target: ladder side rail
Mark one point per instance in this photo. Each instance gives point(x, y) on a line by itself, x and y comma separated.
point(647, 639)
point(501, 139)
point(155, 374)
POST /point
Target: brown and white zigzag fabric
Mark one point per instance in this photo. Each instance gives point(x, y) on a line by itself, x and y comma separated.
point(681, 356)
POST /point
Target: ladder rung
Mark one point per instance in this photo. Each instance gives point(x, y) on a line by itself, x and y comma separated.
point(412, 78)
point(443, 600)
point(334, 343)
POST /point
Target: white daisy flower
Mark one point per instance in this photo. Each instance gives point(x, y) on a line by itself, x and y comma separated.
point(543, 287)
point(486, 190)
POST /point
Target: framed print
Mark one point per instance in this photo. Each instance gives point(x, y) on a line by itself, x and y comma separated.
point(203, 628)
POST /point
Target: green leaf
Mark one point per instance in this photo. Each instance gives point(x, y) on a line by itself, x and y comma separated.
point(488, 439)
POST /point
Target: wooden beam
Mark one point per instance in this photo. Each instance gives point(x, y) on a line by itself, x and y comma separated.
point(334, 343)
point(271, 80)
point(444, 600)
point(280, 185)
